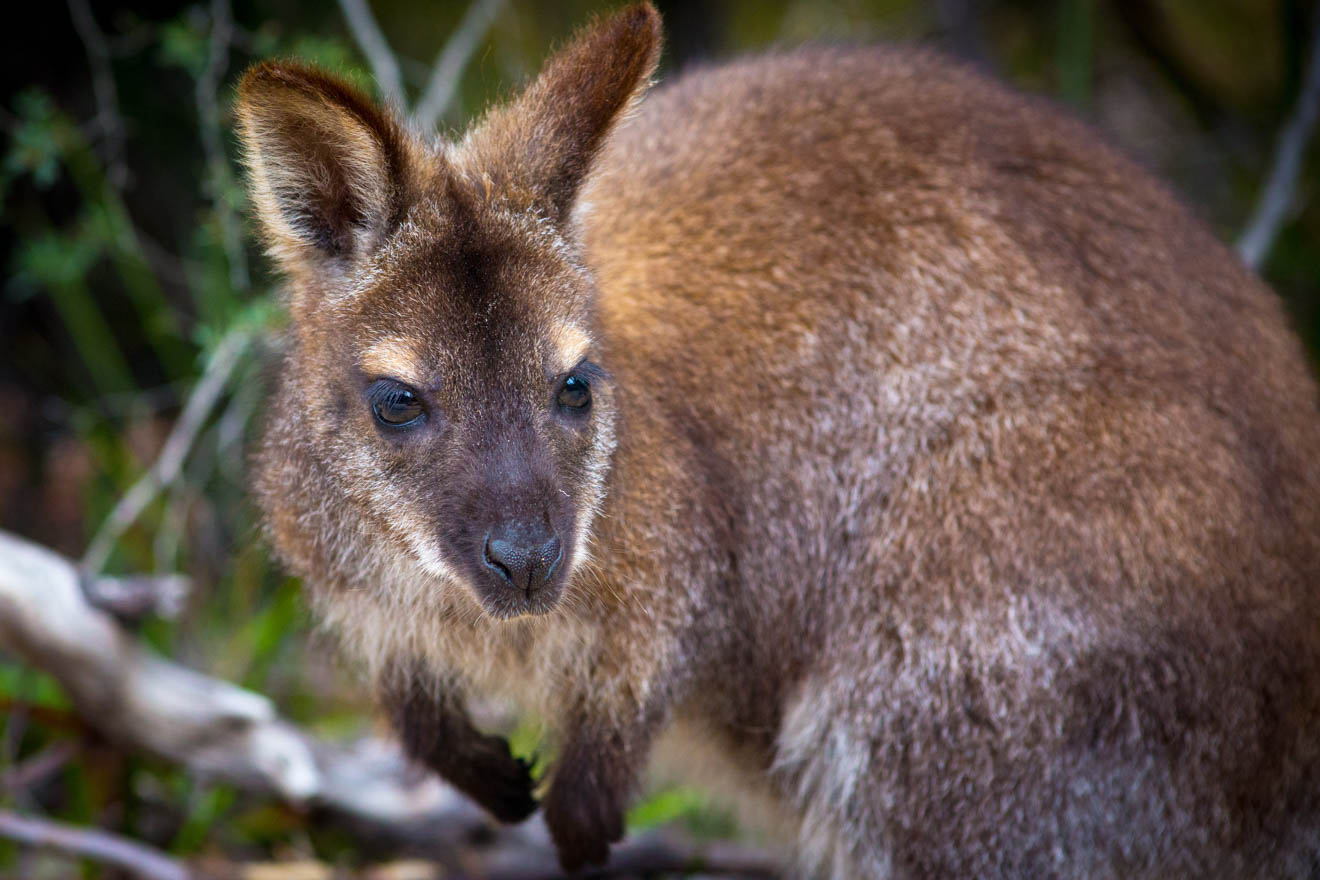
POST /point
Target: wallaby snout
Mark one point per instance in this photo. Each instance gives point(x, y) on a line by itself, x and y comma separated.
point(522, 554)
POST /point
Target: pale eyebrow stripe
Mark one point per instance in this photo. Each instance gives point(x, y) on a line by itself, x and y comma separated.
point(571, 345)
point(395, 358)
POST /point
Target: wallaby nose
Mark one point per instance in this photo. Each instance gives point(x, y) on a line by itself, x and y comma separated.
point(523, 555)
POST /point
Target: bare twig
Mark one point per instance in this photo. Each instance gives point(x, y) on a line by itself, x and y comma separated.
point(40, 766)
point(1280, 191)
point(445, 73)
point(208, 109)
point(135, 858)
point(169, 463)
point(232, 425)
point(453, 58)
point(137, 597)
point(369, 38)
point(108, 118)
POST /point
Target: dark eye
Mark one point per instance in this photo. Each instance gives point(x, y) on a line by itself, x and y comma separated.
point(575, 393)
point(395, 404)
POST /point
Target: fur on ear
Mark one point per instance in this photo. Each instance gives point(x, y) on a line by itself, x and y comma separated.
point(327, 167)
point(543, 143)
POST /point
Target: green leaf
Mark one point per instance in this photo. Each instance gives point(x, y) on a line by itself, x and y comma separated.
point(185, 43)
point(34, 147)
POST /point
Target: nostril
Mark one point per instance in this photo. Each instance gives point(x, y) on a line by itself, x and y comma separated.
point(494, 561)
point(551, 553)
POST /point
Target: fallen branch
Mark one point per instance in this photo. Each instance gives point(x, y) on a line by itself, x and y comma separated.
point(219, 731)
point(135, 858)
point(1280, 191)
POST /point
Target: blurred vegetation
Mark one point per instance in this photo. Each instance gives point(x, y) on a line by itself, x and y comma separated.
point(129, 259)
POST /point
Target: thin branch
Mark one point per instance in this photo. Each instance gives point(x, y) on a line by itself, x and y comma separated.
point(369, 38)
point(139, 860)
point(135, 598)
point(232, 425)
point(108, 118)
point(165, 470)
point(1280, 192)
point(32, 771)
point(217, 165)
point(453, 58)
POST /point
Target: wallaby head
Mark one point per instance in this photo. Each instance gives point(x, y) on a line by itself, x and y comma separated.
point(443, 364)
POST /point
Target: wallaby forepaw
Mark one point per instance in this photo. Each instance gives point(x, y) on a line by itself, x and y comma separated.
point(503, 784)
point(583, 819)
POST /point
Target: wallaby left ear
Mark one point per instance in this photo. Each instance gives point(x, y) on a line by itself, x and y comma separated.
point(328, 168)
point(544, 142)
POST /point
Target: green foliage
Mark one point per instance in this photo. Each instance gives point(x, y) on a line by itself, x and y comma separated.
point(687, 807)
point(186, 43)
point(33, 147)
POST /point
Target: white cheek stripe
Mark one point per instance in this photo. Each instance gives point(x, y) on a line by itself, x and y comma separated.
point(428, 556)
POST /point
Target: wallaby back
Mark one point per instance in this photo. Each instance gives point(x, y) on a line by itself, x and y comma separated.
point(939, 474)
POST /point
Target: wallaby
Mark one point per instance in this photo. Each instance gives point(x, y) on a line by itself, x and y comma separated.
point(878, 435)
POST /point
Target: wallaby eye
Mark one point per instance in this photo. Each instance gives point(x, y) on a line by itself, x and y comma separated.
point(575, 393)
point(395, 404)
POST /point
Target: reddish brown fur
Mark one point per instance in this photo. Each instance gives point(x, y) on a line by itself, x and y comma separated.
point(945, 478)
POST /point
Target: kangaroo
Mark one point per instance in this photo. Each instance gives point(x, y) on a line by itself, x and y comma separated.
point(914, 463)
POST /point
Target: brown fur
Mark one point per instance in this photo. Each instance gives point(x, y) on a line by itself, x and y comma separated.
point(943, 477)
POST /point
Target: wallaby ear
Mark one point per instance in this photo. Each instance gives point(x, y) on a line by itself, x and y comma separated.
point(327, 167)
point(543, 143)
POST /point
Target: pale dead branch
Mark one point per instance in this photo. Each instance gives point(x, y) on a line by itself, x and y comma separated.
point(1280, 193)
point(446, 72)
point(169, 463)
point(367, 34)
point(38, 767)
point(108, 119)
point(135, 858)
point(145, 703)
point(453, 59)
point(136, 597)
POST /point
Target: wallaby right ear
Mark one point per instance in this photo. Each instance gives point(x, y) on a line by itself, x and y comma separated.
point(328, 168)
point(545, 141)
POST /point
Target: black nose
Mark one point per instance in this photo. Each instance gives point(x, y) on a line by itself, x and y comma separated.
point(523, 555)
